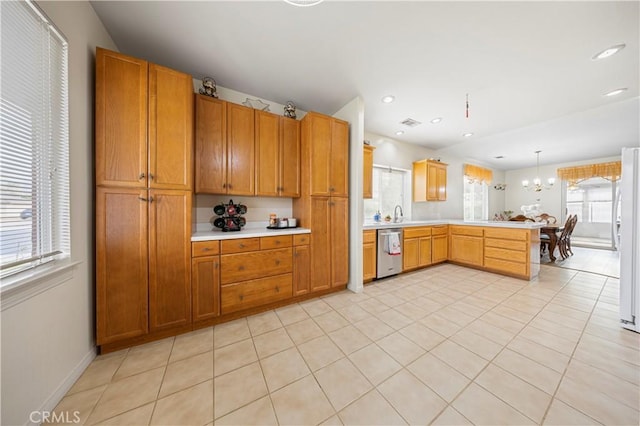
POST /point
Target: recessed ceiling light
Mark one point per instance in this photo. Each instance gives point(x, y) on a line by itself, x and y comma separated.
point(608, 52)
point(467, 135)
point(399, 132)
point(436, 120)
point(388, 99)
point(304, 3)
point(616, 92)
point(498, 157)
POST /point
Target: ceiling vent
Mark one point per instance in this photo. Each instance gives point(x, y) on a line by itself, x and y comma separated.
point(410, 122)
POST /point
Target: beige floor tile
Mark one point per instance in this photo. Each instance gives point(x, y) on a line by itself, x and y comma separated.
point(440, 325)
point(77, 407)
point(513, 314)
point(137, 416)
point(427, 304)
point(192, 406)
point(624, 370)
point(542, 377)
point(373, 328)
point(230, 332)
point(320, 352)
point(301, 403)
point(332, 421)
point(605, 347)
point(291, 314)
point(257, 413)
point(303, 331)
point(415, 402)
point(238, 388)
point(342, 383)
point(482, 407)
point(272, 342)
point(561, 414)
point(316, 307)
point(463, 360)
point(539, 353)
point(412, 311)
point(283, 368)
point(570, 334)
point(596, 404)
point(563, 318)
point(455, 316)
point(422, 336)
point(491, 332)
point(354, 313)
point(349, 339)
point(439, 376)
point(330, 321)
point(371, 409)
point(400, 348)
point(233, 356)
point(128, 393)
point(190, 344)
point(390, 299)
point(451, 417)
point(502, 322)
point(374, 363)
point(144, 358)
point(261, 323)
point(99, 372)
point(477, 344)
point(522, 396)
point(374, 306)
point(394, 319)
point(186, 373)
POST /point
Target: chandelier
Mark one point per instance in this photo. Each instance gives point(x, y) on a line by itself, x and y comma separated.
point(537, 183)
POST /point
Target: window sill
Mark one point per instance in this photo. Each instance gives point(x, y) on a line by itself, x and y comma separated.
point(28, 284)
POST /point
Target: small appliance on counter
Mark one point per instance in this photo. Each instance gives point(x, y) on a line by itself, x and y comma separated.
point(281, 222)
point(230, 216)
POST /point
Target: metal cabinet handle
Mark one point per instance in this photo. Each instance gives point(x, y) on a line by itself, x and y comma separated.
point(151, 176)
point(241, 245)
point(142, 198)
point(241, 268)
point(215, 265)
point(206, 249)
point(141, 176)
point(224, 185)
point(241, 297)
point(151, 199)
point(277, 289)
point(277, 262)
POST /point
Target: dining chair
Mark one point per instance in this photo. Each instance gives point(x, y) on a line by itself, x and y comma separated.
point(573, 226)
point(545, 241)
point(565, 237)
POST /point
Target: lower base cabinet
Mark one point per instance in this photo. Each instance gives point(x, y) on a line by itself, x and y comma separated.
point(466, 245)
point(369, 258)
point(205, 279)
point(250, 294)
point(301, 265)
point(416, 247)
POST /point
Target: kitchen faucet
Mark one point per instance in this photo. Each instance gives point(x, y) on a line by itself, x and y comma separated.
point(397, 219)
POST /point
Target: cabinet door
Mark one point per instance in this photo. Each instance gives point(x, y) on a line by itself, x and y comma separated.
point(289, 157)
point(425, 251)
point(339, 210)
point(432, 183)
point(121, 120)
point(420, 181)
point(339, 159)
point(169, 258)
point(467, 249)
point(211, 145)
point(267, 154)
point(301, 270)
point(441, 182)
point(170, 129)
point(367, 182)
point(320, 244)
point(205, 286)
point(439, 248)
point(368, 261)
point(317, 134)
point(240, 150)
point(410, 253)
point(121, 264)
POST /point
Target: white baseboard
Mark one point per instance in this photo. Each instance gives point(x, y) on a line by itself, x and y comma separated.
point(54, 399)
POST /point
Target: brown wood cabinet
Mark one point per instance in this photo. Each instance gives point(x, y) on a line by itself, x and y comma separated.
point(507, 250)
point(277, 155)
point(466, 245)
point(439, 243)
point(225, 147)
point(367, 163)
point(301, 267)
point(205, 279)
point(369, 259)
point(416, 247)
point(429, 181)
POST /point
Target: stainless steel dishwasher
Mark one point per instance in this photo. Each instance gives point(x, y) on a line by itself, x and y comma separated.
point(389, 264)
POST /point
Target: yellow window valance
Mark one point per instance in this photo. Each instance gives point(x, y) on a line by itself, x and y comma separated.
point(610, 171)
point(478, 174)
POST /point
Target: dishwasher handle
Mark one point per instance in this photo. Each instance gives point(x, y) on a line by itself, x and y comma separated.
point(386, 234)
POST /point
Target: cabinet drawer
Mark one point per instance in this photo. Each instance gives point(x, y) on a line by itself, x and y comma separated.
point(506, 266)
point(473, 231)
point(205, 248)
point(249, 266)
point(369, 236)
point(507, 234)
point(506, 244)
point(240, 245)
point(301, 239)
point(280, 241)
point(439, 230)
point(416, 232)
point(504, 254)
point(249, 294)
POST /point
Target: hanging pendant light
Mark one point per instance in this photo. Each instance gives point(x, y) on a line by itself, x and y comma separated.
point(537, 182)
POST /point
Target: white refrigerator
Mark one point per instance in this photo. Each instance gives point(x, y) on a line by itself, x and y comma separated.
point(630, 239)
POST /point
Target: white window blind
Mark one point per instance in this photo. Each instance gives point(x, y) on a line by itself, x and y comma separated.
point(34, 139)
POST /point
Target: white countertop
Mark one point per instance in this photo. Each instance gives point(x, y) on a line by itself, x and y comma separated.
point(489, 223)
point(206, 232)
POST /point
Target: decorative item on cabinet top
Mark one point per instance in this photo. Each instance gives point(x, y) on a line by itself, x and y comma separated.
point(230, 218)
point(209, 87)
point(290, 110)
point(256, 104)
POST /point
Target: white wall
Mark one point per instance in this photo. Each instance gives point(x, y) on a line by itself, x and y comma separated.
point(49, 339)
point(550, 200)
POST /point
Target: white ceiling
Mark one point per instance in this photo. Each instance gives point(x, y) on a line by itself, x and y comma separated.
point(526, 66)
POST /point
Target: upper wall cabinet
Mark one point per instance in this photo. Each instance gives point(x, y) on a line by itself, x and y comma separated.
point(277, 155)
point(144, 124)
point(225, 148)
point(429, 181)
point(367, 182)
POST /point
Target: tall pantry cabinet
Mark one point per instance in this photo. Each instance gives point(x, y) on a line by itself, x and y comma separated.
point(144, 143)
point(324, 202)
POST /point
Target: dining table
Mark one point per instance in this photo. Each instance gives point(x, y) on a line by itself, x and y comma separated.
point(551, 230)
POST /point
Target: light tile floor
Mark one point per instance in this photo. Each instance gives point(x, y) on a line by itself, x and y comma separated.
point(600, 261)
point(446, 345)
